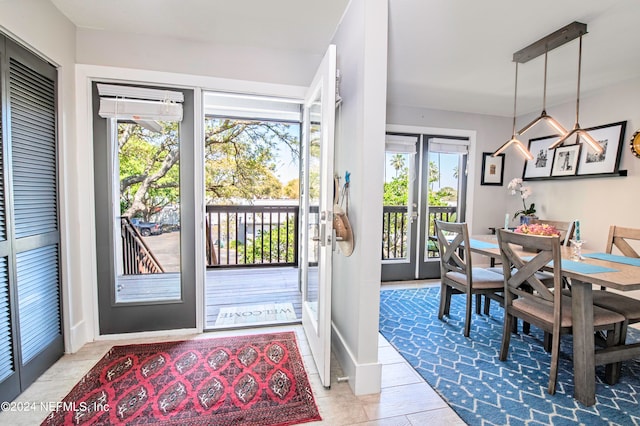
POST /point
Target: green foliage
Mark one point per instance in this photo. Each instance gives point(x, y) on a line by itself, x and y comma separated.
point(396, 191)
point(292, 189)
point(272, 246)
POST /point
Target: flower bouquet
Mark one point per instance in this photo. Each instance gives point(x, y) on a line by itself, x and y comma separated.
point(541, 229)
point(538, 229)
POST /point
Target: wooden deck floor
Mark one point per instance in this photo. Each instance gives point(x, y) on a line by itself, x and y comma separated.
point(234, 287)
point(248, 287)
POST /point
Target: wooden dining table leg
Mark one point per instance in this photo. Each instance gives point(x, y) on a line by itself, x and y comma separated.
point(584, 369)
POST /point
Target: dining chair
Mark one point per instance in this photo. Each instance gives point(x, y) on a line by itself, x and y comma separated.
point(619, 238)
point(528, 298)
point(457, 274)
point(566, 234)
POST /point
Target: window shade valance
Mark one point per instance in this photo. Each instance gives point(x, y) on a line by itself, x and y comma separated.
point(139, 104)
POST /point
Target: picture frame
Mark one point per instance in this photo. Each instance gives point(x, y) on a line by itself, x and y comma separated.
point(540, 166)
point(610, 137)
point(565, 160)
point(492, 169)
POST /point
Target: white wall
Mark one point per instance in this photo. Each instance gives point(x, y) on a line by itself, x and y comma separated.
point(34, 23)
point(194, 58)
point(361, 42)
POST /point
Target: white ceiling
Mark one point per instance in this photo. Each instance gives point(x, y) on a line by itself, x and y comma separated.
point(443, 54)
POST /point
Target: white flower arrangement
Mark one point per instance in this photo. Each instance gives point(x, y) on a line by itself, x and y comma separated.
point(516, 186)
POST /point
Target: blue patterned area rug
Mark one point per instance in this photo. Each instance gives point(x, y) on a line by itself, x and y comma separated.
point(483, 390)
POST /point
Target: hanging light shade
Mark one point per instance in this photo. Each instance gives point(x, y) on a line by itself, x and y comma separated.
point(577, 130)
point(544, 116)
point(514, 140)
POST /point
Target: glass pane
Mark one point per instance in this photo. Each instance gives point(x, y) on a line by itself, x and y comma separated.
point(396, 197)
point(147, 183)
point(313, 219)
point(442, 196)
point(252, 192)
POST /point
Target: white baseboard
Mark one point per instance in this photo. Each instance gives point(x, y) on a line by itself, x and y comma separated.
point(363, 379)
point(76, 338)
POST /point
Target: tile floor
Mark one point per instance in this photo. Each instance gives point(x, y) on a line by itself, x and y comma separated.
point(406, 399)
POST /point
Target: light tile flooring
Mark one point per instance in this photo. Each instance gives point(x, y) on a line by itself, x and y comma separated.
point(406, 399)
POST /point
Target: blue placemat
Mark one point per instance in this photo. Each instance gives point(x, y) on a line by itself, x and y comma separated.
point(482, 244)
point(580, 267)
point(634, 261)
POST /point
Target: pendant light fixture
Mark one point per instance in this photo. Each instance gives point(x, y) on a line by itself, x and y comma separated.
point(544, 116)
point(514, 140)
point(577, 130)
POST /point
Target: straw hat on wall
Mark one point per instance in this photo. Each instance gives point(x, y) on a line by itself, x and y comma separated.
point(344, 234)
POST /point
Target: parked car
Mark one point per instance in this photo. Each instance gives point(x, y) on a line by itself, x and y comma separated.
point(146, 228)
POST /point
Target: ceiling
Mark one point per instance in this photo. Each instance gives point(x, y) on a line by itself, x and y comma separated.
point(443, 54)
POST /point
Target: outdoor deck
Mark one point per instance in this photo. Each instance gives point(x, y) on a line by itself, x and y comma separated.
point(226, 288)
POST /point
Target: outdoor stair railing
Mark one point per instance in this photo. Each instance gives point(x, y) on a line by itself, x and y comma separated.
point(137, 258)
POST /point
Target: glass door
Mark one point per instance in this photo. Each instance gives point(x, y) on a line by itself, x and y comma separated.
point(445, 181)
point(425, 180)
point(145, 228)
point(400, 208)
point(317, 212)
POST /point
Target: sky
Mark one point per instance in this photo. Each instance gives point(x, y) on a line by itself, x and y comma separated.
point(445, 163)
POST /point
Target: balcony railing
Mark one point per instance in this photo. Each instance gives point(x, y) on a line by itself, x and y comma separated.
point(239, 235)
point(395, 227)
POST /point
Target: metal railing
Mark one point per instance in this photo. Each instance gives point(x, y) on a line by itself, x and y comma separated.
point(395, 226)
point(239, 235)
point(137, 259)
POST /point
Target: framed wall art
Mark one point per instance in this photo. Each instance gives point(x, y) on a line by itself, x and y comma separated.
point(609, 136)
point(540, 166)
point(492, 169)
point(565, 160)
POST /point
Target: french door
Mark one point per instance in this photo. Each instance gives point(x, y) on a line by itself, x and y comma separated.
point(425, 180)
point(317, 212)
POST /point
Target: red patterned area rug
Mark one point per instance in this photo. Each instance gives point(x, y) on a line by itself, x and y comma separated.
point(245, 380)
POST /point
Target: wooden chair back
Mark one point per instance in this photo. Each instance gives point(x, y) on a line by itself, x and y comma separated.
point(619, 236)
point(453, 242)
point(520, 276)
point(566, 228)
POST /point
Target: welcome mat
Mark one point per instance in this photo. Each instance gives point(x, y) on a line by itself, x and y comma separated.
point(247, 380)
point(483, 390)
point(256, 314)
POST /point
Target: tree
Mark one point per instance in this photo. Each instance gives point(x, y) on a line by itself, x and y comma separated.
point(397, 162)
point(239, 158)
point(272, 246)
point(149, 168)
point(292, 189)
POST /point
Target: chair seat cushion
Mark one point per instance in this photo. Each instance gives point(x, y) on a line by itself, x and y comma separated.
point(482, 278)
point(544, 311)
point(624, 305)
point(545, 277)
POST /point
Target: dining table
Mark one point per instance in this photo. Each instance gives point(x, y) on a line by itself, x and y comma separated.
point(594, 268)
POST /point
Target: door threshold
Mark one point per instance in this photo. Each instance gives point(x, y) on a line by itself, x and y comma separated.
point(252, 325)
